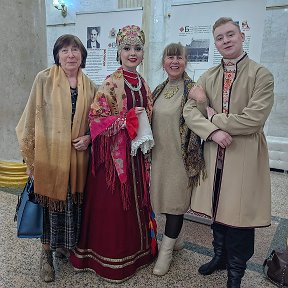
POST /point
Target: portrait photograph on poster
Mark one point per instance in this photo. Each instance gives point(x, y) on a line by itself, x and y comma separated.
point(98, 30)
point(93, 37)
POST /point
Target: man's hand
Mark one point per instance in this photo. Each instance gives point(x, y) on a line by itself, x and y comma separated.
point(222, 138)
point(198, 94)
point(81, 143)
point(210, 112)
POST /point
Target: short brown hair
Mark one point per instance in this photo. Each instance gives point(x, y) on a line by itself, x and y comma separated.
point(66, 40)
point(174, 49)
point(224, 20)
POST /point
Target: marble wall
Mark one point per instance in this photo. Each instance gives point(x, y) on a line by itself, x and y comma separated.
point(22, 54)
point(275, 57)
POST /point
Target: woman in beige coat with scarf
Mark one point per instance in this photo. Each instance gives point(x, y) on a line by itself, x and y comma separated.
point(177, 160)
point(53, 135)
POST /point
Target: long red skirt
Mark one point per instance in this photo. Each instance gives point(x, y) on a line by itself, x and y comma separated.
point(113, 242)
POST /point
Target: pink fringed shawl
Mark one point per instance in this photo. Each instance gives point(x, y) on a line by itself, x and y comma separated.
point(110, 138)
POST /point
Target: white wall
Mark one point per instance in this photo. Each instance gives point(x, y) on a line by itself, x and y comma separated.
point(274, 53)
point(58, 25)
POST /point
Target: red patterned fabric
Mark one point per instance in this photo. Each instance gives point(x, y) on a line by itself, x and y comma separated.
point(229, 76)
point(105, 124)
point(114, 242)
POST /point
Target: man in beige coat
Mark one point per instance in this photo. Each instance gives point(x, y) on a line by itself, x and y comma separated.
point(234, 100)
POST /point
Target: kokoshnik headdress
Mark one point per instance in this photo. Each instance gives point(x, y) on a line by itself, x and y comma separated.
point(132, 35)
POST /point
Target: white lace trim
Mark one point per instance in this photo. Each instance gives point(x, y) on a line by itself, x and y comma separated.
point(144, 139)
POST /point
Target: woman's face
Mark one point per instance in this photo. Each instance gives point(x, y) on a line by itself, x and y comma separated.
point(70, 58)
point(174, 66)
point(131, 56)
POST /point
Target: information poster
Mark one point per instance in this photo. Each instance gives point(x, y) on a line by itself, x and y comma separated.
point(98, 31)
point(192, 24)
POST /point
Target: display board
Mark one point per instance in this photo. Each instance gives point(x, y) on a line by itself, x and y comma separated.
point(98, 32)
point(191, 24)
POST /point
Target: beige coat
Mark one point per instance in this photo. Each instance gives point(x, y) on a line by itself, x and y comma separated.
point(245, 195)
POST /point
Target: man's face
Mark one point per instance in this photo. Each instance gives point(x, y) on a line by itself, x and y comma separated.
point(229, 40)
point(93, 35)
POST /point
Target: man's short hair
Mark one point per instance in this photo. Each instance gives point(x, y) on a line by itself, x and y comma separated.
point(224, 20)
point(97, 29)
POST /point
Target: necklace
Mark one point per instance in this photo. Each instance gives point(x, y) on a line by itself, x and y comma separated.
point(129, 74)
point(132, 88)
point(171, 92)
point(131, 77)
point(134, 98)
point(135, 89)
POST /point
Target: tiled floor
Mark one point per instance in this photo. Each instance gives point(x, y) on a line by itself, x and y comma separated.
point(19, 258)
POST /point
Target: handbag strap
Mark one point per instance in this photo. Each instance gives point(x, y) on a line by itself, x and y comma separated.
point(267, 259)
point(265, 266)
point(29, 186)
point(281, 284)
point(283, 276)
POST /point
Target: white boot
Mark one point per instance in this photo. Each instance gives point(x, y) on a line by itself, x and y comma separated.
point(179, 245)
point(165, 256)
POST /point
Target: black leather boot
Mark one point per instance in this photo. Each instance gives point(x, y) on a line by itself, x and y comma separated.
point(218, 262)
point(236, 268)
point(240, 248)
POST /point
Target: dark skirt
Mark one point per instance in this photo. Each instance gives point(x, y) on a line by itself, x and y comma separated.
point(62, 229)
point(114, 242)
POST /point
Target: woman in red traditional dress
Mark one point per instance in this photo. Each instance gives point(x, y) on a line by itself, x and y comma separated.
point(118, 229)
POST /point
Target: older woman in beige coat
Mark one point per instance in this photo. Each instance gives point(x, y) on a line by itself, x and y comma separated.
point(177, 160)
point(53, 135)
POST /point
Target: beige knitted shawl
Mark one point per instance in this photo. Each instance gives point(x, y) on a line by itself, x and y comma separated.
point(45, 133)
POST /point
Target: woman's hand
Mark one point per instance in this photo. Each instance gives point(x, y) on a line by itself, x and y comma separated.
point(81, 143)
point(198, 94)
point(138, 110)
point(29, 172)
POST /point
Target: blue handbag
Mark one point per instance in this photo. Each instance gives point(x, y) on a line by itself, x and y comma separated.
point(29, 214)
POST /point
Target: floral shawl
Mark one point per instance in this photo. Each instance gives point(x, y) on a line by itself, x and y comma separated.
point(192, 153)
point(107, 118)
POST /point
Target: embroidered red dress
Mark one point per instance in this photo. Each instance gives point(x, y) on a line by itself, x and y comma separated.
point(115, 237)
